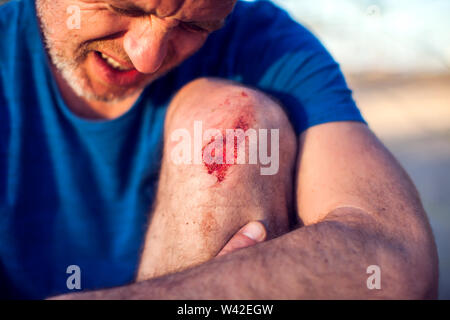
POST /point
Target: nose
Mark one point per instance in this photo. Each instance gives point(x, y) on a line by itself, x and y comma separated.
point(146, 43)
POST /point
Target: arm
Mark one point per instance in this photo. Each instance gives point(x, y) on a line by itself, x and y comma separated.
point(358, 207)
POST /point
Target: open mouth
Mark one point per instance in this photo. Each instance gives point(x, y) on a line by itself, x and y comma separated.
point(113, 63)
point(112, 71)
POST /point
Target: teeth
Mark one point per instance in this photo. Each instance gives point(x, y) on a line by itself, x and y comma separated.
point(113, 63)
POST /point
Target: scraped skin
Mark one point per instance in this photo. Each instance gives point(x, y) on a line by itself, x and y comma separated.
point(200, 207)
point(244, 121)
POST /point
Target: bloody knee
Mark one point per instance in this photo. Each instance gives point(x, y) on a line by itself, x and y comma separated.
point(220, 124)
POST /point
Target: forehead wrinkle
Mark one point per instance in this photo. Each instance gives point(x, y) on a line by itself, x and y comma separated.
point(161, 8)
point(173, 7)
point(184, 10)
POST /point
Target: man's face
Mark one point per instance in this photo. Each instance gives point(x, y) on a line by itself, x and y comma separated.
point(123, 45)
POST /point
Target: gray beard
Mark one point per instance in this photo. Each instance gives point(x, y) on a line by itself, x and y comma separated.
point(68, 68)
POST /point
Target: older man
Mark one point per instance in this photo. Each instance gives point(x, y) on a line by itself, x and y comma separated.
point(92, 91)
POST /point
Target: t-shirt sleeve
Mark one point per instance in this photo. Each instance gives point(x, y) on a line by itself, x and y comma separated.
point(268, 50)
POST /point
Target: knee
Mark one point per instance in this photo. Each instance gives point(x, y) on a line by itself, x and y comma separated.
point(221, 105)
point(216, 199)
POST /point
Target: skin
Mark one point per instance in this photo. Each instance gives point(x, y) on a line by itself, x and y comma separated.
point(355, 204)
point(152, 44)
point(197, 211)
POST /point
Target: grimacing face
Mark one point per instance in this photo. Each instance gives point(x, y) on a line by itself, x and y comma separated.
point(124, 45)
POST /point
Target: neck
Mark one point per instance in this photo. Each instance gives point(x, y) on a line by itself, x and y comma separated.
point(90, 109)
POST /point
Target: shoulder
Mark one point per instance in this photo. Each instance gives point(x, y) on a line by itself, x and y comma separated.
point(262, 27)
point(256, 34)
point(265, 19)
point(261, 8)
point(11, 26)
point(10, 13)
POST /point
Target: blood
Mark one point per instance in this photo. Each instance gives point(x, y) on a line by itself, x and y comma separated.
point(208, 224)
point(244, 94)
point(242, 123)
point(219, 170)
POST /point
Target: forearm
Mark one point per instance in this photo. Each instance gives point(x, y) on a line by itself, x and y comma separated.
point(325, 260)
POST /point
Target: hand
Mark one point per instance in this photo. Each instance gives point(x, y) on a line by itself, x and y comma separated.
point(252, 233)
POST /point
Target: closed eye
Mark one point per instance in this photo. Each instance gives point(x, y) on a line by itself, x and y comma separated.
point(128, 12)
point(199, 27)
point(192, 27)
point(207, 26)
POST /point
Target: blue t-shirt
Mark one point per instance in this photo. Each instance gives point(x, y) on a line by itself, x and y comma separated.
point(78, 192)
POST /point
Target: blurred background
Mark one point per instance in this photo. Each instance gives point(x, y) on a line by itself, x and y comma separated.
point(396, 57)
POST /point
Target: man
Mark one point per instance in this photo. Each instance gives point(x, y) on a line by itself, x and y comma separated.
point(85, 89)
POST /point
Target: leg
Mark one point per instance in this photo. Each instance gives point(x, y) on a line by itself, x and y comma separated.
point(200, 206)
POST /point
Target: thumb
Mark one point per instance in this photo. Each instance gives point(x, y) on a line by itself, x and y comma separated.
point(252, 233)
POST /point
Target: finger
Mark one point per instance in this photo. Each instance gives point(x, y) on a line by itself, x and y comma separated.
point(252, 233)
